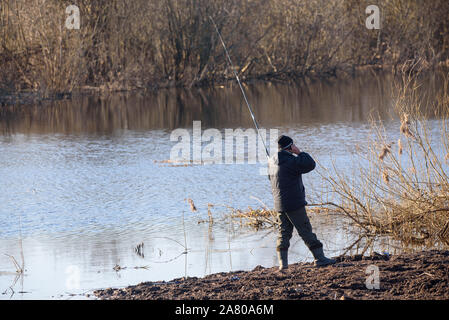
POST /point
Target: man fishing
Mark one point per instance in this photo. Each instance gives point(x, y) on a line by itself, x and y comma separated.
point(285, 173)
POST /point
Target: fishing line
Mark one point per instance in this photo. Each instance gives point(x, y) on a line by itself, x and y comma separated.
point(241, 87)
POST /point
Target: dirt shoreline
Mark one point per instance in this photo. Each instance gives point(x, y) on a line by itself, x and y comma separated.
point(413, 276)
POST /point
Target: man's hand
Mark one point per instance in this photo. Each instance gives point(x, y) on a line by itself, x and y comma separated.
point(295, 149)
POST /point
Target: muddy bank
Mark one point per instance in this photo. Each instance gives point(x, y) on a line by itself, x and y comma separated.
point(423, 275)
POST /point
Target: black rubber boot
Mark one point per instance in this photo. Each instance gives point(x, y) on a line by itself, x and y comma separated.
point(283, 259)
point(320, 258)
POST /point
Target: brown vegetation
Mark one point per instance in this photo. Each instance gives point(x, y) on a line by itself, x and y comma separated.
point(260, 218)
point(403, 194)
point(144, 44)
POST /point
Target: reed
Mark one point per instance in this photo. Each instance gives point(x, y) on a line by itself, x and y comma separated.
point(403, 193)
point(260, 218)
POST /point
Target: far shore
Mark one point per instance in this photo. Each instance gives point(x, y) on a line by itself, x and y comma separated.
point(25, 97)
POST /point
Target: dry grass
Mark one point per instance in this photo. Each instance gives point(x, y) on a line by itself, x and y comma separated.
point(258, 219)
point(404, 194)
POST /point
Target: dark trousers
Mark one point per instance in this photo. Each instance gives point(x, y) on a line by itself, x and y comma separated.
point(300, 221)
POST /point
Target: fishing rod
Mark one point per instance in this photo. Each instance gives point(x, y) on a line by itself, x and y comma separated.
point(241, 87)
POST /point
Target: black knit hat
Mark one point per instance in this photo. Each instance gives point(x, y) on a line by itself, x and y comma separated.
point(284, 142)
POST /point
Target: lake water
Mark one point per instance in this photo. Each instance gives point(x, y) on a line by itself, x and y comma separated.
point(83, 182)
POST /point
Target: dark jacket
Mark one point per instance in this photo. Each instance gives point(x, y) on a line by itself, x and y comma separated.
point(284, 172)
